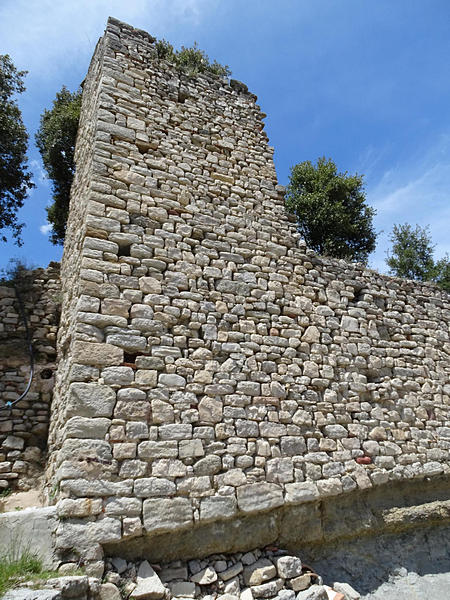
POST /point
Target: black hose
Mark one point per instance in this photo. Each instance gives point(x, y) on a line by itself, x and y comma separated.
point(9, 404)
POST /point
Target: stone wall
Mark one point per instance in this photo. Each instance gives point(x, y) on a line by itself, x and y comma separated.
point(24, 426)
point(211, 367)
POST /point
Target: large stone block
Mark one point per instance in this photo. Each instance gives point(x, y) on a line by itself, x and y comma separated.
point(96, 354)
point(90, 400)
point(167, 514)
point(255, 497)
point(86, 427)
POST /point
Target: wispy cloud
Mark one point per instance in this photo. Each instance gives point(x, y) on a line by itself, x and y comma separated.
point(417, 194)
point(45, 229)
point(39, 172)
point(41, 35)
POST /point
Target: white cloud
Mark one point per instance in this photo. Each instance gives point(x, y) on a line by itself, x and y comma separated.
point(416, 194)
point(39, 172)
point(43, 35)
point(45, 229)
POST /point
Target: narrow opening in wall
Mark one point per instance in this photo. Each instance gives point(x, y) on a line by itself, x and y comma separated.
point(46, 374)
point(359, 293)
point(125, 250)
point(377, 376)
point(129, 359)
point(182, 97)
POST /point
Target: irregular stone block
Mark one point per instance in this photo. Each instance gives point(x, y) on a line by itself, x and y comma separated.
point(261, 571)
point(217, 507)
point(205, 576)
point(150, 487)
point(90, 400)
point(289, 567)
point(96, 354)
point(182, 589)
point(167, 514)
point(267, 590)
point(86, 427)
point(315, 592)
point(210, 410)
point(347, 590)
point(296, 493)
point(149, 585)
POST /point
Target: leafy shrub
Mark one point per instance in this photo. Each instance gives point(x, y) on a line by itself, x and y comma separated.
point(190, 60)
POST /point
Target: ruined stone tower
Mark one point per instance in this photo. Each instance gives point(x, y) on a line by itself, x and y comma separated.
point(216, 380)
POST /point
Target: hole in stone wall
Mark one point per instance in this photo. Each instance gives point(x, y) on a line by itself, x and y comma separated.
point(378, 375)
point(124, 250)
point(129, 358)
point(359, 295)
point(46, 374)
point(182, 96)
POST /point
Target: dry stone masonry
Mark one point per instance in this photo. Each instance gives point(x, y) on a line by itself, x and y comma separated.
point(24, 426)
point(211, 367)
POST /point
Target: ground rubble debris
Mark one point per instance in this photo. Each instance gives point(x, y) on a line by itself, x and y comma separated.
point(270, 574)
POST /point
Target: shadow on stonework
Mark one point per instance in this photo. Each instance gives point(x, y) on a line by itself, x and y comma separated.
point(369, 562)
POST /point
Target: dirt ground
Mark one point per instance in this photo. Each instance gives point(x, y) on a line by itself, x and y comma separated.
point(20, 500)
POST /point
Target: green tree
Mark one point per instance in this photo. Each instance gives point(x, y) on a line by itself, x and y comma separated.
point(15, 179)
point(331, 211)
point(56, 142)
point(412, 256)
point(442, 273)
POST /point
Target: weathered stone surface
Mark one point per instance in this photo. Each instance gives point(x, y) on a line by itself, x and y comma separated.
point(150, 285)
point(167, 514)
point(84, 427)
point(311, 335)
point(218, 507)
point(32, 594)
point(21, 530)
point(296, 493)
point(300, 583)
point(149, 585)
point(182, 589)
point(108, 591)
point(98, 355)
point(259, 496)
point(210, 410)
point(205, 577)
point(315, 592)
point(249, 371)
point(90, 400)
point(289, 567)
point(259, 572)
point(267, 590)
point(347, 590)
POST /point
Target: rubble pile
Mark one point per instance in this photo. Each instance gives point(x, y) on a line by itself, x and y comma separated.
point(269, 573)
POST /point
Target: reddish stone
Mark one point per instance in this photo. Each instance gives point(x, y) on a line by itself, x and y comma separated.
point(363, 460)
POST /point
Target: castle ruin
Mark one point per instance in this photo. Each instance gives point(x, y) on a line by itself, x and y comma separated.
point(220, 386)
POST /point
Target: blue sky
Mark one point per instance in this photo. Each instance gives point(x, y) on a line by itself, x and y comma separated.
point(365, 83)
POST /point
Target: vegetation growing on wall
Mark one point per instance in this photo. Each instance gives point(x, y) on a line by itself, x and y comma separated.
point(191, 60)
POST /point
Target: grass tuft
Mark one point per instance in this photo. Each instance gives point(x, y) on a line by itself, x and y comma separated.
point(17, 569)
